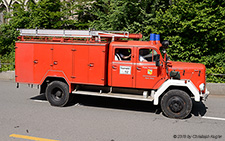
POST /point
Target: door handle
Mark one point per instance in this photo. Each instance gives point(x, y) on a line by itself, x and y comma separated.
point(35, 61)
point(138, 68)
point(114, 67)
point(91, 65)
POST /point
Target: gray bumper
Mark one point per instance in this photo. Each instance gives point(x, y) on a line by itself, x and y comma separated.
point(205, 96)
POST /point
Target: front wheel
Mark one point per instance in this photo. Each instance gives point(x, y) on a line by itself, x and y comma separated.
point(57, 93)
point(176, 104)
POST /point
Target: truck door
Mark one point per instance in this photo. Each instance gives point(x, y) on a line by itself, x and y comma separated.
point(122, 67)
point(80, 63)
point(62, 58)
point(88, 64)
point(42, 61)
point(146, 73)
point(97, 59)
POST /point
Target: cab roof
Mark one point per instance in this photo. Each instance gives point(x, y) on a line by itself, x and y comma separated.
point(123, 43)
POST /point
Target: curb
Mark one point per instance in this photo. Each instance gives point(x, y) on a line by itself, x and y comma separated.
point(216, 88)
point(213, 88)
point(8, 75)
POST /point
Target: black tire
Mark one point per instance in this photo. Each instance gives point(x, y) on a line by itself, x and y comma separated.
point(176, 104)
point(57, 93)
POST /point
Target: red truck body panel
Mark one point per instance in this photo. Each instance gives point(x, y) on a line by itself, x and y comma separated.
point(190, 71)
point(140, 74)
point(78, 63)
point(93, 63)
point(85, 63)
point(101, 63)
point(24, 65)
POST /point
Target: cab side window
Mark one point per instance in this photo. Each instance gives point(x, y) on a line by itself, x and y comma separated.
point(147, 55)
point(122, 54)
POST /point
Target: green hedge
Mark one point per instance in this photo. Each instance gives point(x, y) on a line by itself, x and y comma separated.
point(196, 28)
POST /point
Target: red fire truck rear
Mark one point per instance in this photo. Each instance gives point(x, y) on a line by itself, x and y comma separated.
point(109, 64)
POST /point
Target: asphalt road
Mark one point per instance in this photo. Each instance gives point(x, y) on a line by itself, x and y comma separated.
point(27, 116)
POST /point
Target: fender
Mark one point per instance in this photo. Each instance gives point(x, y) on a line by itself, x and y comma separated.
point(58, 74)
point(159, 83)
point(171, 82)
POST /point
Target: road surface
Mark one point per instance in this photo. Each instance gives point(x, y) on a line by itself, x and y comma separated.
point(26, 116)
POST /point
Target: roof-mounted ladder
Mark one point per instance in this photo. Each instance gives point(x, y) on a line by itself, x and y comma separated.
point(77, 33)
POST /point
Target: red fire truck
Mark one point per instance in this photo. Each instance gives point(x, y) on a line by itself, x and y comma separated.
point(108, 64)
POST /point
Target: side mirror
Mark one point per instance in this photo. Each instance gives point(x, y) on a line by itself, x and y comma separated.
point(165, 44)
point(157, 60)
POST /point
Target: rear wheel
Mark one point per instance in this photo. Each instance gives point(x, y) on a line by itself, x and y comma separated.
point(176, 104)
point(57, 93)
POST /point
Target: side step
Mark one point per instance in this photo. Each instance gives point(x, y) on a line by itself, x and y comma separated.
point(115, 95)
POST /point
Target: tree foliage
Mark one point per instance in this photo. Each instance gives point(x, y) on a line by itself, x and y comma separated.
point(43, 14)
point(197, 31)
point(127, 15)
point(76, 14)
point(196, 28)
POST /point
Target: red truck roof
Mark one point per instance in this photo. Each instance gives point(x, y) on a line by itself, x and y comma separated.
point(137, 43)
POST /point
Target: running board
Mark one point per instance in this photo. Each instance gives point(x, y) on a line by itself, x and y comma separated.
point(115, 95)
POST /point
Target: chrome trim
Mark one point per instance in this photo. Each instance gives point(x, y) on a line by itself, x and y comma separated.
point(119, 62)
point(145, 64)
point(130, 46)
point(129, 63)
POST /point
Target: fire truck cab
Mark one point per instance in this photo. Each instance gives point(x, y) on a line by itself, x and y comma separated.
point(105, 63)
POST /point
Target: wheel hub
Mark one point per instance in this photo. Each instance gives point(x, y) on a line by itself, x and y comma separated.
point(58, 93)
point(176, 104)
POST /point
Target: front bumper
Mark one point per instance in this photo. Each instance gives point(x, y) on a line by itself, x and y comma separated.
point(205, 96)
